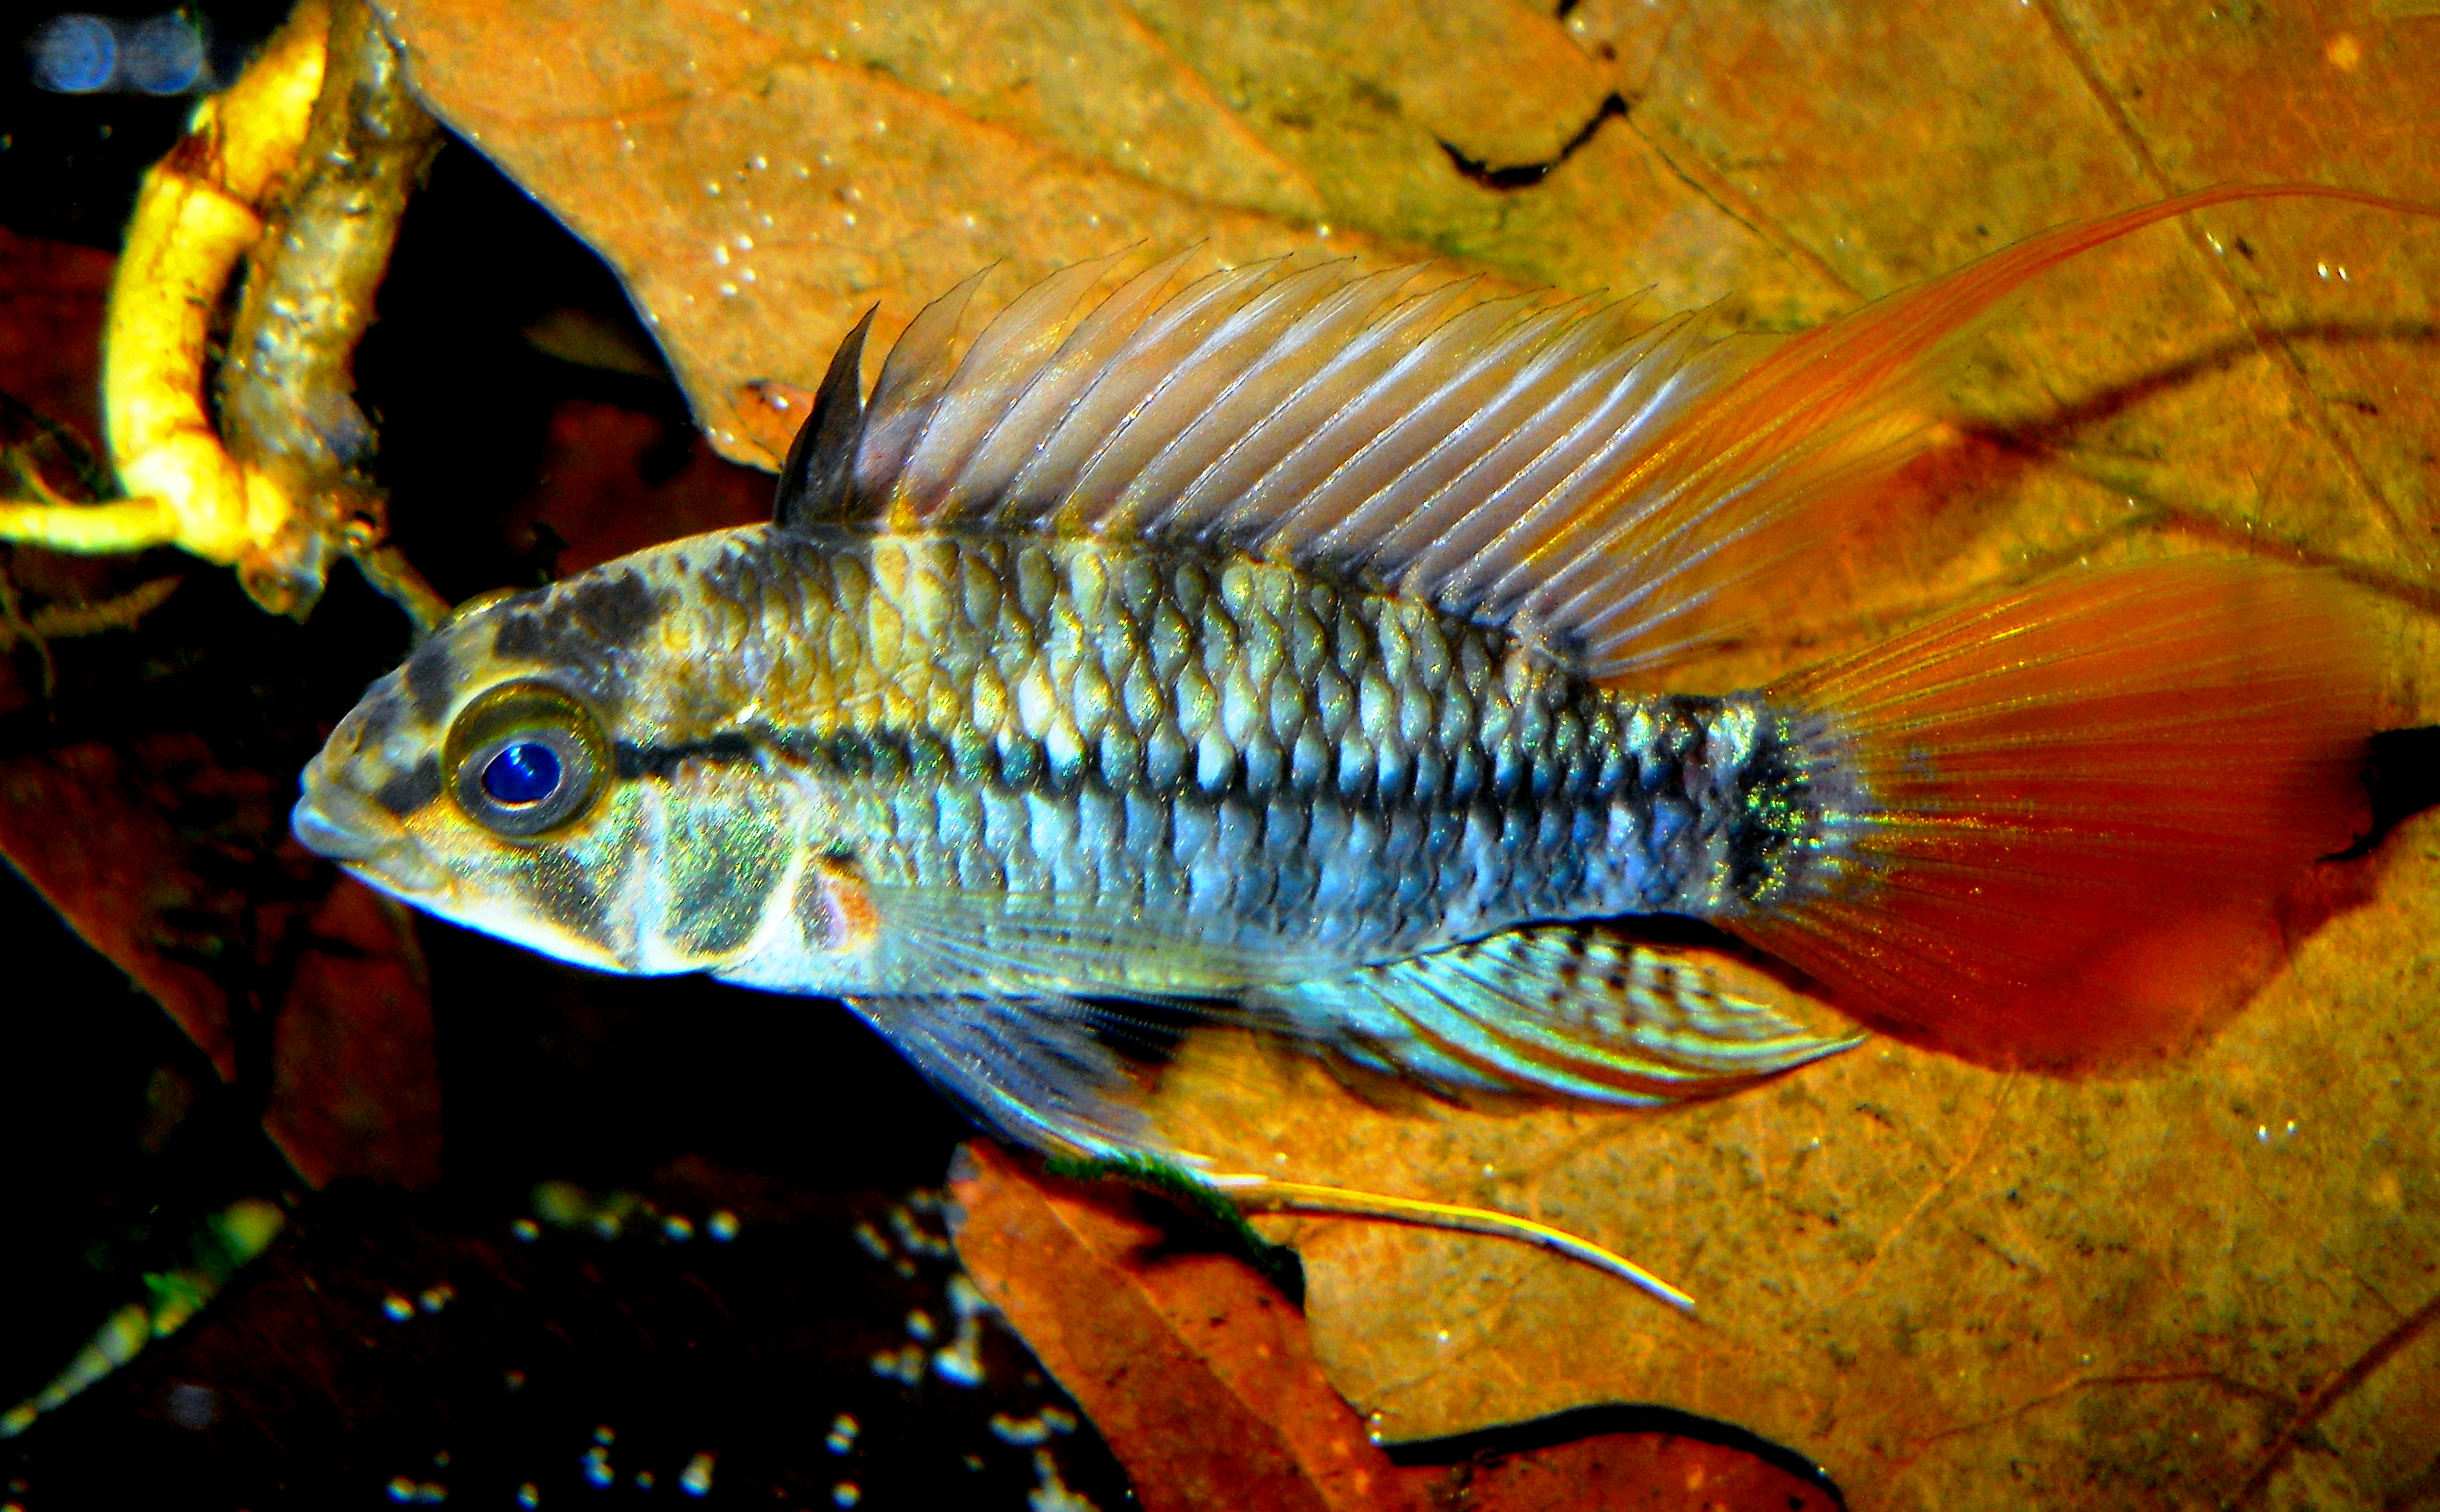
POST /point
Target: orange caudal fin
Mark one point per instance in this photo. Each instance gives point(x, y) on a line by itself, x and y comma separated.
point(2075, 808)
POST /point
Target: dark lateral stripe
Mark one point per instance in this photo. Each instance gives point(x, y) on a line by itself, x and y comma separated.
point(634, 760)
point(848, 752)
point(1022, 766)
point(407, 791)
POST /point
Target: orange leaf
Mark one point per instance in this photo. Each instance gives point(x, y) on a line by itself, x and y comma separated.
point(1937, 1279)
point(1201, 1379)
point(1194, 1370)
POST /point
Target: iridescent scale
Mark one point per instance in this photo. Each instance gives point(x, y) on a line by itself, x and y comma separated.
point(1302, 776)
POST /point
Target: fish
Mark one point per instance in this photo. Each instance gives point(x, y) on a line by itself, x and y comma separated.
point(1289, 646)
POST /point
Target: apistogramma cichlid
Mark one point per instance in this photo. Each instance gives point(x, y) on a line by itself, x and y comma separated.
point(1275, 642)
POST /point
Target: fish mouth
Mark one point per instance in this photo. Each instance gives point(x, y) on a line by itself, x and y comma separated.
point(335, 822)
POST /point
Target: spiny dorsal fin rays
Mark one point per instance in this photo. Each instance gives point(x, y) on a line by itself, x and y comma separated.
point(1153, 357)
point(1546, 464)
point(1623, 498)
point(1188, 383)
point(1003, 361)
point(1225, 497)
point(813, 482)
point(1343, 517)
point(1171, 493)
point(910, 384)
point(1031, 410)
point(1284, 509)
point(1500, 441)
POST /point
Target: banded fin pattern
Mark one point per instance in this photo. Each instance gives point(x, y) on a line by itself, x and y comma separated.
point(1544, 466)
point(1581, 1011)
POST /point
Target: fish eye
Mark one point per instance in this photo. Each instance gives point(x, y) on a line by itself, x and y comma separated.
point(525, 758)
point(523, 773)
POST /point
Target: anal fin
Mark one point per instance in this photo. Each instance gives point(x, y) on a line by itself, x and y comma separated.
point(1584, 1011)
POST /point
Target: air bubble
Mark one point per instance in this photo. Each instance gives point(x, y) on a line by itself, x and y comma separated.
point(842, 1435)
point(74, 55)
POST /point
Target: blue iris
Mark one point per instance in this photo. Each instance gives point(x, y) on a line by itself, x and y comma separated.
point(525, 771)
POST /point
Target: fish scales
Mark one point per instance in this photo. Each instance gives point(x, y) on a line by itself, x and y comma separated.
point(1191, 738)
point(1265, 773)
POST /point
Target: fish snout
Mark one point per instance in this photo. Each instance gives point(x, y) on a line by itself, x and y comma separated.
point(341, 816)
point(338, 824)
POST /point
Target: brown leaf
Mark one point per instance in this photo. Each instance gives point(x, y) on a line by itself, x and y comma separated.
point(180, 870)
point(2213, 1280)
point(1194, 1370)
point(758, 177)
point(76, 823)
point(51, 295)
point(355, 1082)
point(1200, 1377)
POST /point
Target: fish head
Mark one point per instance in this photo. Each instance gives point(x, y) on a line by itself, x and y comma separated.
point(549, 767)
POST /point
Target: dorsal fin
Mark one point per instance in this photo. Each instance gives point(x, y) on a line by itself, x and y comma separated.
point(1599, 490)
point(813, 482)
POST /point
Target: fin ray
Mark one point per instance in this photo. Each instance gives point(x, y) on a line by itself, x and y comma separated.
point(2076, 806)
point(1030, 1068)
point(813, 482)
point(1081, 944)
point(1582, 1011)
point(1623, 498)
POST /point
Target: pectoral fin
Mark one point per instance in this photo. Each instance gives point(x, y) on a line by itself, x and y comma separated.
point(1030, 1068)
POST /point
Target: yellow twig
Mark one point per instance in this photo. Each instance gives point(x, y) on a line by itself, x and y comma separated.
point(58, 622)
point(198, 211)
point(303, 167)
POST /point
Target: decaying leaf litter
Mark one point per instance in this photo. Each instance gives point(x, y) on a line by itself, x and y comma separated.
point(1243, 1415)
point(2338, 488)
point(1926, 1273)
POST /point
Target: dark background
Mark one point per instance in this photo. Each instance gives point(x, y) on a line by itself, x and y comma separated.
point(523, 428)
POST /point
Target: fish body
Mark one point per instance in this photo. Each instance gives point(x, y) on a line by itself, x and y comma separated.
point(1284, 645)
point(1122, 770)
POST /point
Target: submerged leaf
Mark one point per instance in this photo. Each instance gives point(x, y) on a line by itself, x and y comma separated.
point(2210, 1280)
point(1201, 1378)
point(758, 177)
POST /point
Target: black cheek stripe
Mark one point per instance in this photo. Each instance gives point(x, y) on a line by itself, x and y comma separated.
point(409, 790)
